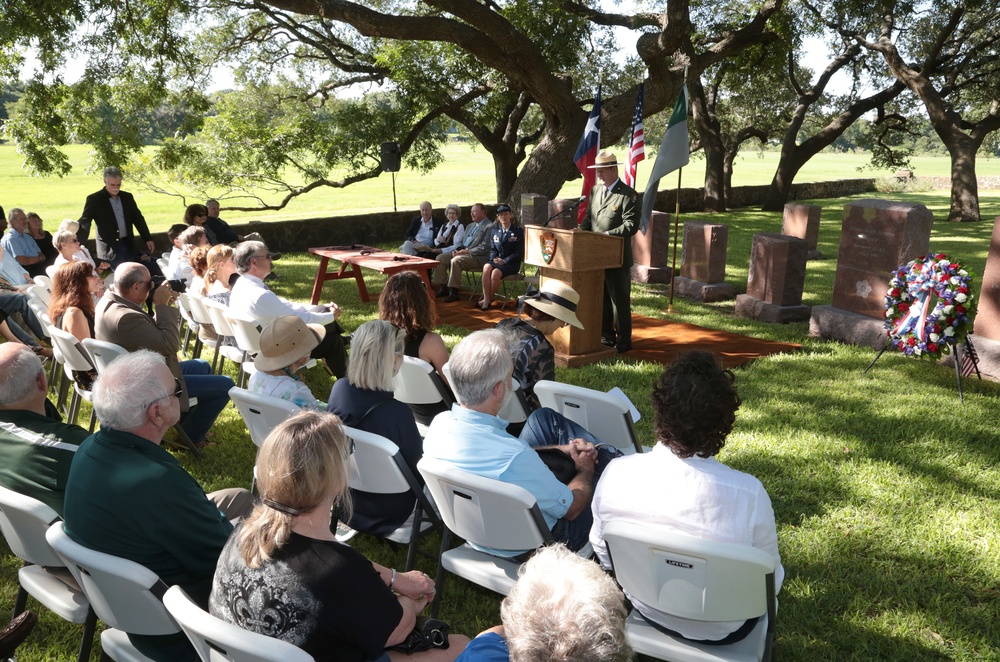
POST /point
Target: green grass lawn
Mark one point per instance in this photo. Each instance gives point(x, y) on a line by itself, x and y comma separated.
point(466, 176)
point(884, 486)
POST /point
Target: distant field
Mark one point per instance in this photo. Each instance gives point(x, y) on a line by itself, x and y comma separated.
point(466, 176)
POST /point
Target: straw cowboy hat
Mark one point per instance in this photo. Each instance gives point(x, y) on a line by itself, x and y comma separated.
point(605, 159)
point(286, 340)
point(558, 300)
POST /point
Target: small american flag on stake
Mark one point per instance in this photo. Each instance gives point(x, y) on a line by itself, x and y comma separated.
point(637, 141)
point(970, 360)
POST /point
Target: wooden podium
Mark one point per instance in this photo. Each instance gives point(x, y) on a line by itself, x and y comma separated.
point(578, 259)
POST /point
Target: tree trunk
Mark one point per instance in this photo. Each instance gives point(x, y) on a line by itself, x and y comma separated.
point(714, 198)
point(781, 184)
point(505, 167)
point(964, 187)
point(545, 170)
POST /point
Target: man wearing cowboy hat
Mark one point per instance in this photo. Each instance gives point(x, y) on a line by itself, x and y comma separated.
point(534, 357)
point(612, 209)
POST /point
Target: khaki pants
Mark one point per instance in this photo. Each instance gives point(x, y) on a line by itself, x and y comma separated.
point(451, 266)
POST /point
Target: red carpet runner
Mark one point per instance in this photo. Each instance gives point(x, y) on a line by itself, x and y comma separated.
point(654, 340)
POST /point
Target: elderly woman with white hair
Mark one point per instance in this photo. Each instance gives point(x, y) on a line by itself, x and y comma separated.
point(283, 574)
point(363, 400)
point(563, 608)
point(70, 248)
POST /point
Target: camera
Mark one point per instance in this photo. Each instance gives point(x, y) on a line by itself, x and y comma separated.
point(177, 285)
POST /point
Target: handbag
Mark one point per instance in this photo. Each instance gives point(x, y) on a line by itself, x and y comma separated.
point(427, 633)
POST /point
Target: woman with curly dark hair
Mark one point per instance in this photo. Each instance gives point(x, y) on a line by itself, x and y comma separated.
point(406, 303)
point(680, 487)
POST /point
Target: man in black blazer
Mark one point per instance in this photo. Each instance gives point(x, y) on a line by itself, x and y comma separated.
point(420, 235)
point(118, 219)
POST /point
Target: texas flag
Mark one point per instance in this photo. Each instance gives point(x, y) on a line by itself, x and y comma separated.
point(586, 154)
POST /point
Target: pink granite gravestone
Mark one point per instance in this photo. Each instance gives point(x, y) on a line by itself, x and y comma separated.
point(651, 251)
point(534, 208)
point(703, 263)
point(567, 217)
point(776, 280)
point(802, 221)
point(877, 237)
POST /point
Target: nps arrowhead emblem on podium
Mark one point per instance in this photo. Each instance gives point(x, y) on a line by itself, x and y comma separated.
point(548, 246)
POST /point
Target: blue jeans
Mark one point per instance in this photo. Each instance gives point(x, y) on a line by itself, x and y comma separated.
point(15, 302)
point(212, 392)
point(547, 427)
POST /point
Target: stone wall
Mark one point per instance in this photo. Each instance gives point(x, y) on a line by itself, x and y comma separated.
point(753, 196)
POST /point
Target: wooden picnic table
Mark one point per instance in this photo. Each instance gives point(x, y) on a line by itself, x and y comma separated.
point(355, 258)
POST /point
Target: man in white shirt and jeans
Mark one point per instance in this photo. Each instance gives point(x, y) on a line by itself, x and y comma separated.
point(680, 487)
point(251, 297)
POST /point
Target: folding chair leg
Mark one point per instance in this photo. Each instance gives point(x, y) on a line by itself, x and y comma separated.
point(196, 352)
point(74, 408)
point(439, 579)
point(21, 602)
point(411, 553)
point(87, 642)
point(185, 440)
point(63, 393)
point(187, 337)
point(93, 418)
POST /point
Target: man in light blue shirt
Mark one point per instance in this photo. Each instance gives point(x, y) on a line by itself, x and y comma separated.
point(22, 246)
point(474, 439)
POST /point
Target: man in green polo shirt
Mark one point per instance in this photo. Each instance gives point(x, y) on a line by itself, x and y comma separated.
point(35, 451)
point(129, 497)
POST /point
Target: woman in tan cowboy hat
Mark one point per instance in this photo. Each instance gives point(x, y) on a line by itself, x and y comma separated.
point(534, 357)
point(285, 345)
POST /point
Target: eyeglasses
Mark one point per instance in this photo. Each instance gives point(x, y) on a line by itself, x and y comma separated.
point(261, 257)
point(177, 393)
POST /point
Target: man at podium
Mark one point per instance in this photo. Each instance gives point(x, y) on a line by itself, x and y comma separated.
point(612, 210)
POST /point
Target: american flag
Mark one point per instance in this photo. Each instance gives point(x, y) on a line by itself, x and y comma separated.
point(970, 360)
point(636, 143)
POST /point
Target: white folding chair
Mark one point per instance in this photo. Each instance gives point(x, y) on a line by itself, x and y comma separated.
point(246, 332)
point(417, 383)
point(74, 358)
point(186, 318)
point(45, 281)
point(200, 315)
point(484, 512)
point(378, 467)
point(215, 640)
point(226, 347)
point(39, 292)
point(51, 273)
point(261, 413)
point(125, 595)
point(24, 521)
point(696, 579)
point(105, 352)
point(515, 411)
point(604, 416)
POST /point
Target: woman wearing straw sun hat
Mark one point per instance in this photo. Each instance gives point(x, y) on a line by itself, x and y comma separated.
point(285, 345)
point(547, 310)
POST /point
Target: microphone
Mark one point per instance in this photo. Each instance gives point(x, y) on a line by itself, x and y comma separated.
point(564, 211)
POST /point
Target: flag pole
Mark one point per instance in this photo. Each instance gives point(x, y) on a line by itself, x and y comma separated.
point(673, 265)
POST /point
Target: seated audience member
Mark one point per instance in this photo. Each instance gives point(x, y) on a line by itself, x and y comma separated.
point(534, 357)
point(285, 345)
point(471, 255)
point(681, 487)
point(562, 608)
point(12, 272)
point(473, 438)
point(450, 236)
point(190, 239)
point(177, 252)
point(129, 497)
point(120, 320)
point(364, 401)
point(506, 253)
point(197, 214)
point(422, 231)
point(72, 307)
point(42, 238)
point(307, 588)
point(14, 633)
point(221, 268)
point(5, 331)
point(35, 451)
point(251, 296)
point(21, 246)
point(199, 265)
point(79, 252)
point(223, 233)
point(406, 303)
